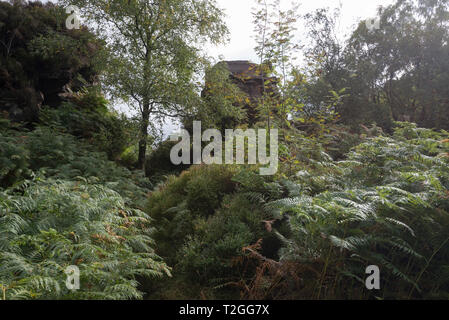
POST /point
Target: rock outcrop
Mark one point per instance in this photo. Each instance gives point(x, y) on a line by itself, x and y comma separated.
point(40, 61)
point(250, 78)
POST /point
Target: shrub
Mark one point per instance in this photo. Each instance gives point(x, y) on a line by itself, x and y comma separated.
point(179, 201)
point(52, 224)
point(386, 205)
point(205, 218)
point(210, 255)
point(62, 156)
point(159, 163)
point(107, 131)
point(13, 161)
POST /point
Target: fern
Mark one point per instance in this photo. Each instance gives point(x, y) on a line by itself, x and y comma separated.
point(57, 223)
point(382, 205)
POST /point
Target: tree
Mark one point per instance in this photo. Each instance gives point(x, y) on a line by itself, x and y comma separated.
point(155, 47)
point(327, 79)
point(222, 104)
point(407, 60)
point(397, 72)
point(261, 25)
point(278, 50)
point(274, 30)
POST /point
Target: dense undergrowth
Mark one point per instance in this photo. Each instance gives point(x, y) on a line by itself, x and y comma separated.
point(344, 198)
point(312, 235)
point(50, 225)
point(308, 232)
point(64, 203)
point(67, 197)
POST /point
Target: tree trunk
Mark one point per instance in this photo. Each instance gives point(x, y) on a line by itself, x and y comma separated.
point(143, 136)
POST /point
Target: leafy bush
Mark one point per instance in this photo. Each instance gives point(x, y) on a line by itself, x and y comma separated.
point(210, 255)
point(205, 219)
point(311, 236)
point(13, 161)
point(70, 215)
point(107, 131)
point(52, 224)
point(159, 164)
point(43, 58)
point(62, 156)
point(386, 204)
point(179, 201)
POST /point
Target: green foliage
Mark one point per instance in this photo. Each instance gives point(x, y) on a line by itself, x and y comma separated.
point(312, 235)
point(40, 58)
point(155, 51)
point(91, 99)
point(397, 72)
point(285, 96)
point(180, 207)
point(210, 255)
point(341, 139)
point(205, 218)
point(222, 104)
point(13, 161)
point(386, 204)
point(78, 209)
point(178, 202)
point(62, 156)
point(159, 164)
point(87, 118)
point(345, 196)
point(48, 225)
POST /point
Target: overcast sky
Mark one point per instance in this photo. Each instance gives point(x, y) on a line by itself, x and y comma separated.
point(239, 21)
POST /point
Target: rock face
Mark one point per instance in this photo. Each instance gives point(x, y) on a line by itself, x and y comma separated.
point(41, 61)
point(250, 78)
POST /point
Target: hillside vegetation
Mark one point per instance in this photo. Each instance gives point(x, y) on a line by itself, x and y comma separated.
point(363, 173)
